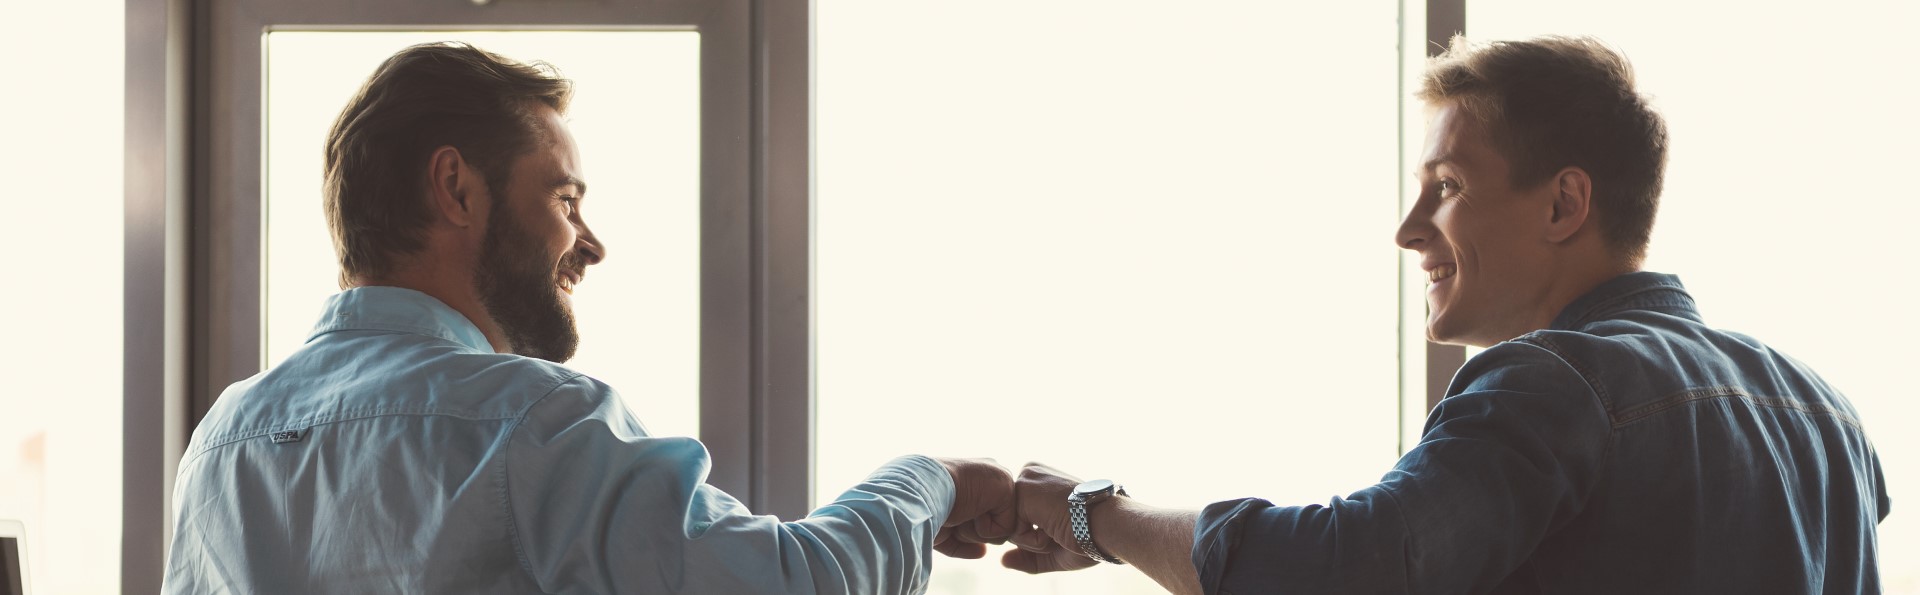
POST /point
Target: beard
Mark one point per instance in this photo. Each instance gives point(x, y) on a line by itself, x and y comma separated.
point(517, 281)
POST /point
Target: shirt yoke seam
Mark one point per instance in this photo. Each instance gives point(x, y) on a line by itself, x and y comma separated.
point(1629, 417)
point(1729, 392)
point(217, 441)
point(232, 436)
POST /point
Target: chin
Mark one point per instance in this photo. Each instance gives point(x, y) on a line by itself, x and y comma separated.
point(1436, 337)
point(1445, 332)
point(1439, 329)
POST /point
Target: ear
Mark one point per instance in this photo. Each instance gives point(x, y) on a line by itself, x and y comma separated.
point(1572, 203)
point(454, 188)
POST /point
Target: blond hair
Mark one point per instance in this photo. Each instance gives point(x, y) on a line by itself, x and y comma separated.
point(1553, 102)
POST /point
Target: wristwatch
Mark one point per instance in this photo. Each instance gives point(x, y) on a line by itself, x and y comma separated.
point(1084, 496)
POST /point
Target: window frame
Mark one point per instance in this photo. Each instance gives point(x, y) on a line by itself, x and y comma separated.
point(1426, 367)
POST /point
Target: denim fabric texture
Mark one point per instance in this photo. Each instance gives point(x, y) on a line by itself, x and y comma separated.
point(397, 453)
point(1629, 448)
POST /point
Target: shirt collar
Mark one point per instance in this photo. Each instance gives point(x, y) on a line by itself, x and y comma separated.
point(397, 309)
point(1641, 290)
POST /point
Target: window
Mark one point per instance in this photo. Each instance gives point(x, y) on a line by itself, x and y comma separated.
point(1126, 246)
point(636, 119)
point(1785, 204)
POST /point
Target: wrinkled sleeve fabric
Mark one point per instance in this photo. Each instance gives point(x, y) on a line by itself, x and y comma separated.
point(597, 506)
point(1502, 463)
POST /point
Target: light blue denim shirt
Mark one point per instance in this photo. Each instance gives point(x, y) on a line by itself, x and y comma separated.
point(1628, 448)
point(397, 453)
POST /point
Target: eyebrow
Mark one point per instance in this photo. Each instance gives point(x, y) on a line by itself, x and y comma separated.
point(1451, 158)
point(565, 181)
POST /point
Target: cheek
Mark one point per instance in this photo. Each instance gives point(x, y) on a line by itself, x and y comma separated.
point(558, 234)
point(1456, 232)
point(1474, 237)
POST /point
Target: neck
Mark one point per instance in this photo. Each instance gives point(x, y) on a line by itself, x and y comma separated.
point(454, 290)
point(1564, 290)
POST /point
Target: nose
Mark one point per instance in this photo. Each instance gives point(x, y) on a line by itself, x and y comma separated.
point(1416, 229)
point(591, 250)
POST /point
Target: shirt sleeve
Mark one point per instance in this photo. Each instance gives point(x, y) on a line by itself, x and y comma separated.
point(1502, 463)
point(597, 506)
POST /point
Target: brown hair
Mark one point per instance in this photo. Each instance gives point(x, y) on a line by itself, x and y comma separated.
point(425, 97)
point(1553, 102)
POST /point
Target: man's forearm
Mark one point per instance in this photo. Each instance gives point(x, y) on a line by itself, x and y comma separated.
point(1158, 541)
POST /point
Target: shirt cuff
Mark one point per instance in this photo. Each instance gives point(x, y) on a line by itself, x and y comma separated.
point(932, 477)
point(1215, 536)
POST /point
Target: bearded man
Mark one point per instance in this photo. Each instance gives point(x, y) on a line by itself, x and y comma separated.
point(426, 439)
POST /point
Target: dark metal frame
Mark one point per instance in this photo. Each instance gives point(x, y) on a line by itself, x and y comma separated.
point(1426, 368)
point(155, 295)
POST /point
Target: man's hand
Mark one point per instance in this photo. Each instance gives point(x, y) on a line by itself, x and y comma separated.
point(1157, 541)
point(983, 508)
point(1046, 535)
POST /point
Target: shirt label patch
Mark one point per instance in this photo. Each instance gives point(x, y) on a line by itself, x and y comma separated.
point(289, 436)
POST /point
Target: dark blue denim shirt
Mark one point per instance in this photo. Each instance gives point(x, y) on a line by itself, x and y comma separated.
point(1627, 449)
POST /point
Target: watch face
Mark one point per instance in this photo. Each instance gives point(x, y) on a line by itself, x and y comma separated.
point(1097, 486)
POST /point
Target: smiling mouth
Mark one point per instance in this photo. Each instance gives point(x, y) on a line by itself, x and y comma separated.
point(566, 284)
point(1441, 273)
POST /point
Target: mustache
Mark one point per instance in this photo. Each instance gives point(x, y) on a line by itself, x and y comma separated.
point(575, 264)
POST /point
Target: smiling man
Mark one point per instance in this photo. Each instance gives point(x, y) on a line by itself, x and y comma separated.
point(427, 440)
point(1607, 441)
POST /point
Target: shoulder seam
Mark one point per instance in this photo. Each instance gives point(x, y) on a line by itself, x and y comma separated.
point(1593, 381)
point(506, 493)
point(1540, 341)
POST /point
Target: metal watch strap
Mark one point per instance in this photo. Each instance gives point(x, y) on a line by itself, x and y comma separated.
point(1077, 516)
point(1082, 527)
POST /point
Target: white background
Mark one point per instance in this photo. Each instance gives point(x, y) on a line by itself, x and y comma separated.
point(1129, 240)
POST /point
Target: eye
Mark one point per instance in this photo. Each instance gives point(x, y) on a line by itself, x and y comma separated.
point(573, 202)
point(1447, 187)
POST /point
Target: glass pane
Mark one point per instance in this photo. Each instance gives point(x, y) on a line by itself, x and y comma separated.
point(635, 115)
point(1778, 211)
point(60, 414)
point(1090, 235)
